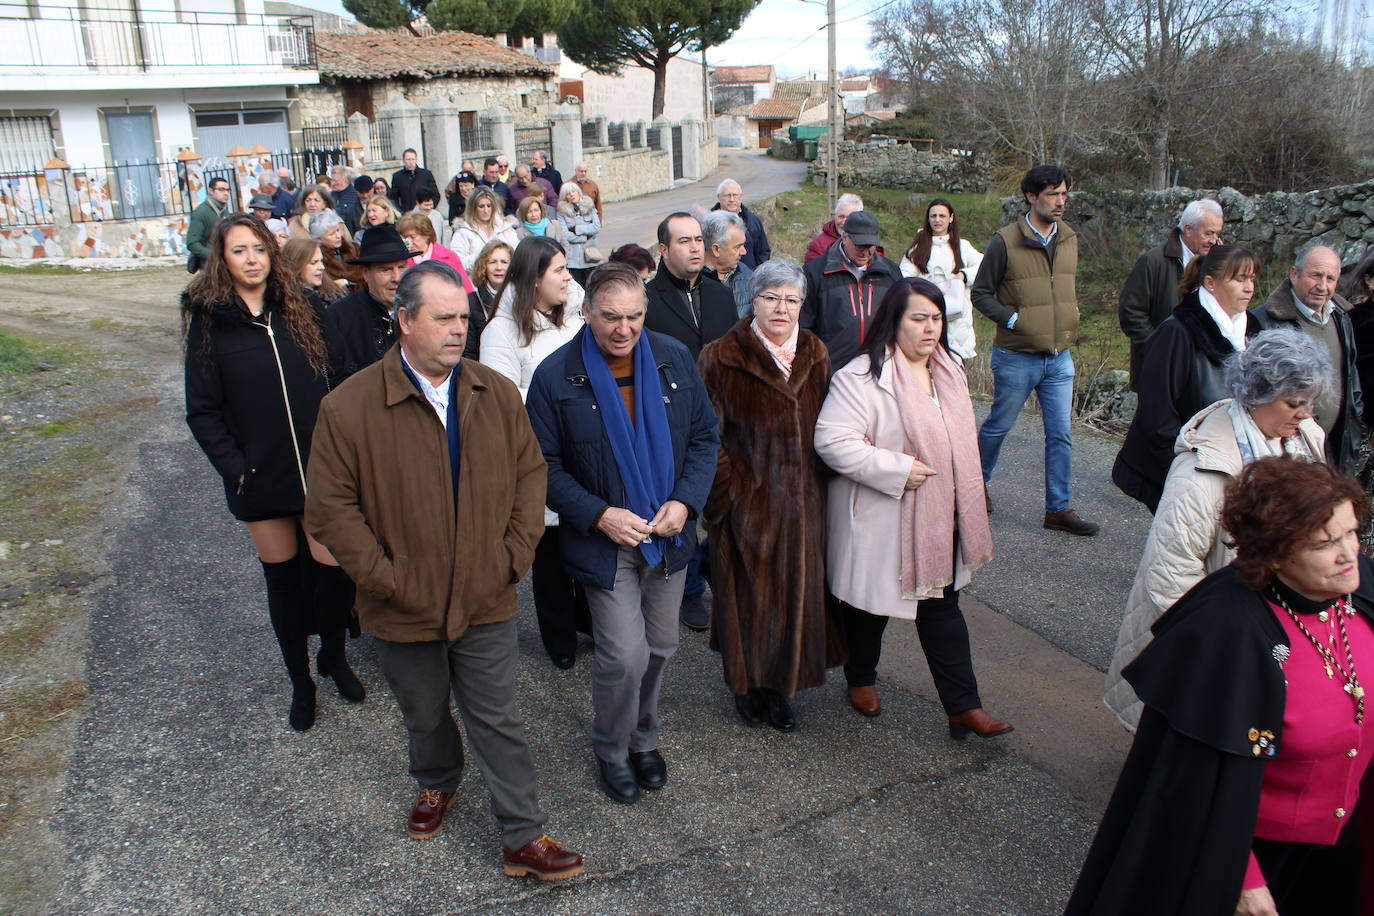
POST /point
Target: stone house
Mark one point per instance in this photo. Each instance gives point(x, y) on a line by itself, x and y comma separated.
point(755, 123)
point(736, 87)
point(360, 71)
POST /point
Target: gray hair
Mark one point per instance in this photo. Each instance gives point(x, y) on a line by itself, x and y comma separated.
point(322, 222)
point(1193, 213)
point(408, 290)
point(1280, 362)
point(1302, 254)
point(776, 273)
point(720, 188)
point(848, 200)
point(715, 227)
point(341, 171)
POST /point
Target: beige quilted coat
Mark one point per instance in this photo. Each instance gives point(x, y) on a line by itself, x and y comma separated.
point(1186, 541)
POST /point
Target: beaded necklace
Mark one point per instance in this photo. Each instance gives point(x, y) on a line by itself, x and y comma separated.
point(1352, 681)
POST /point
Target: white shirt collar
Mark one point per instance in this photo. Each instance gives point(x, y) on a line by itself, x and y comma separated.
point(1188, 254)
point(437, 396)
point(1233, 329)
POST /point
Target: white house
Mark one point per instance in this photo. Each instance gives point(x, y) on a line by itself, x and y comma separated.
point(136, 82)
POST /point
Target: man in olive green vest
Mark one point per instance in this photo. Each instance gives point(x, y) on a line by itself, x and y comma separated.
point(1026, 286)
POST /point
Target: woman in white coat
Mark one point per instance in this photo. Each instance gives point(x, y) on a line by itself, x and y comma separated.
point(482, 222)
point(898, 429)
point(939, 255)
point(1274, 382)
point(536, 314)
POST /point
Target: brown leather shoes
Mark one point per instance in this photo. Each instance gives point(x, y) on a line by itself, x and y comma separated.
point(865, 700)
point(544, 858)
point(428, 814)
point(978, 722)
point(1069, 520)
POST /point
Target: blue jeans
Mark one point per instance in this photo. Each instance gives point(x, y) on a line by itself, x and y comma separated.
point(1014, 376)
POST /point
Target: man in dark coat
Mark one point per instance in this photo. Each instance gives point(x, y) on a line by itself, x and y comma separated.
point(729, 196)
point(695, 311)
point(543, 168)
point(284, 201)
point(627, 495)
point(843, 288)
point(360, 327)
point(1307, 300)
point(1183, 373)
point(1151, 291)
point(346, 201)
point(1178, 830)
point(406, 182)
point(681, 304)
point(524, 185)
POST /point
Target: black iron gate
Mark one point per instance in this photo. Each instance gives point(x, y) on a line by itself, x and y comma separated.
point(677, 152)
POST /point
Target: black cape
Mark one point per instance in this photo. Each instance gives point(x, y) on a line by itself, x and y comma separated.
point(1176, 836)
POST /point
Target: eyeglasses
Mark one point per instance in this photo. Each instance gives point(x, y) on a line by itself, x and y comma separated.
point(770, 299)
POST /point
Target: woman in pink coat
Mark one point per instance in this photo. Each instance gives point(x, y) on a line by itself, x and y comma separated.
point(418, 233)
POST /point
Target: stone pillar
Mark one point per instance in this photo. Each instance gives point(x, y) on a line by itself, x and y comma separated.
point(405, 125)
point(626, 136)
point(693, 133)
point(639, 132)
point(501, 127)
point(443, 152)
point(565, 128)
point(359, 132)
point(665, 144)
point(602, 131)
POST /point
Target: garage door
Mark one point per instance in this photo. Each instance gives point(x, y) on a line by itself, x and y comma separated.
point(221, 131)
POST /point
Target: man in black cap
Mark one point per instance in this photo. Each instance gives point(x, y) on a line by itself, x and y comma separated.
point(363, 185)
point(360, 327)
point(261, 206)
point(844, 287)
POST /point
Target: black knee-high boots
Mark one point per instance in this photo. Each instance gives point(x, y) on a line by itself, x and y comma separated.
point(333, 602)
point(291, 621)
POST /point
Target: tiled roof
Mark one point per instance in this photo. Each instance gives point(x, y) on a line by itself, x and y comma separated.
point(854, 84)
point(380, 54)
point(770, 109)
point(761, 73)
point(798, 89)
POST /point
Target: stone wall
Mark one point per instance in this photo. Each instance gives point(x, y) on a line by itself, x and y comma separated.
point(884, 162)
point(710, 156)
point(623, 174)
point(324, 103)
point(140, 239)
point(1272, 225)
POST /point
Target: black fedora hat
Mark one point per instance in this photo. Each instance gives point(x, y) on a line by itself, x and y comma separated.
point(381, 245)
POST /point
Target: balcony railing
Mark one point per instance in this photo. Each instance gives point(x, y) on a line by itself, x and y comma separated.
point(121, 41)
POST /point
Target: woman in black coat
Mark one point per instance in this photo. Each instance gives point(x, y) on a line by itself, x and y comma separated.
point(1182, 371)
point(255, 376)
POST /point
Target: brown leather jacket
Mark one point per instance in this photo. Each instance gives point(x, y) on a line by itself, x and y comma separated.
point(381, 499)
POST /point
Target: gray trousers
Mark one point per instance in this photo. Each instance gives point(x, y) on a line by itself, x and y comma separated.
point(635, 628)
point(478, 668)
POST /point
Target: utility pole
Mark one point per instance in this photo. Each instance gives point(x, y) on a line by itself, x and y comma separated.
point(833, 114)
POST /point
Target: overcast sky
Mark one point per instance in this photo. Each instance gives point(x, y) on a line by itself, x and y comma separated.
point(789, 34)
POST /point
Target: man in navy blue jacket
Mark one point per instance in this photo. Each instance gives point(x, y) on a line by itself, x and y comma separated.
point(629, 434)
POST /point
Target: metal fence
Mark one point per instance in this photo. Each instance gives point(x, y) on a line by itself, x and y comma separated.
point(591, 133)
point(654, 138)
point(324, 136)
point(145, 190)
point(615, 133)
point(475, 137)
point(529, 139)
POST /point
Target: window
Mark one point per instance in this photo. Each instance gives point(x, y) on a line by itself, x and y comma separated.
point(26, 144)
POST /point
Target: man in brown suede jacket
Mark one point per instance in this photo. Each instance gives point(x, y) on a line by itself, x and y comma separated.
point(436, 534)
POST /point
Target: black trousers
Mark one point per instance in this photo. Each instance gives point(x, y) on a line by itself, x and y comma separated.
point(943, 633)
point(560, 604)
point(1308, 879)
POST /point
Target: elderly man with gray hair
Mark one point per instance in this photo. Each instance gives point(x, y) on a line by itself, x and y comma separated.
point(436, 552)
point(1150, 293)
point(722, 234)
point(1307, 301)
point(834, 228)
point(730, 197)
point(1274, 383)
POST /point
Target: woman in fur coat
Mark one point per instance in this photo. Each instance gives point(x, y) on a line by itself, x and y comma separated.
point(766, 514)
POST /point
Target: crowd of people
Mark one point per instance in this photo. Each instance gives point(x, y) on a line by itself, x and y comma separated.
point(406, 427)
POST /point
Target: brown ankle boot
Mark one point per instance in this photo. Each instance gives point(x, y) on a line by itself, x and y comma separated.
point(978, 722)
point(865, 700)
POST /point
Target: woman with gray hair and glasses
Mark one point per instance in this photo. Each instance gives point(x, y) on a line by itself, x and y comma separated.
point(766, 515)
point(1274, 382)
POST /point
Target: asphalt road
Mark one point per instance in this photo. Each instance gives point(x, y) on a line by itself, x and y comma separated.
point(188, 792)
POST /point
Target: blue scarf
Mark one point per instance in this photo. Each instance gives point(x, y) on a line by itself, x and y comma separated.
point(644, 453)
point(538, 228)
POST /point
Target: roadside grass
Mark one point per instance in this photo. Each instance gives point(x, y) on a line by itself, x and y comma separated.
point(793, 218)
point(66, 421)
point(42, 269)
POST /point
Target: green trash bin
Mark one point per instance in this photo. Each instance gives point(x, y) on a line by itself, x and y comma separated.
point(809, 149)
